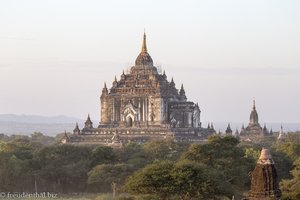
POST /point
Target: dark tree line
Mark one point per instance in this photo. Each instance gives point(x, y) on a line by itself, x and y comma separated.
point(162, 169)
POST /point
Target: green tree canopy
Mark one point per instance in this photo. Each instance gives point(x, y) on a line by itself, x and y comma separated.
point(195, 180)
point(102, 155)
point(291, 188)
point(183, 180)
point(133, 154)
point(16, 165)
point(154, 179)
point(102, 176)
point(292, 149)
point(63, 168)
point(224, 155)
point(165, 149)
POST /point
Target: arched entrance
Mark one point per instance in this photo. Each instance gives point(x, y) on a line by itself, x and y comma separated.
point(129, 122)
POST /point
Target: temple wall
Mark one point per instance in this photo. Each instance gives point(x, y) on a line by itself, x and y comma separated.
point(104, 110)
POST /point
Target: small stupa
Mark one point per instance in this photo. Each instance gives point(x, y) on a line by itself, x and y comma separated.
point(264, 183)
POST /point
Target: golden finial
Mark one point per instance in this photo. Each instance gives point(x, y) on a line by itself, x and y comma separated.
point(144, 46)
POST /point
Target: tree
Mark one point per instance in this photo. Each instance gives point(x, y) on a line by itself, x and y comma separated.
point(293, 137)
point(252, 153)
point(291, 188)
point(165, 149)
point(195, 180)
point(292, 149)
point(41, 138)
point(133, 154)
point(102, 155)
point(183, 180)
point(102, 176)
point(153, 179)
point(224, 155)
point(15, 165)
point(283, 164)
point(63, 168)
point(3, 146)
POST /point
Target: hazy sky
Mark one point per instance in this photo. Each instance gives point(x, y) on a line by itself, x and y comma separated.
point(56, 54)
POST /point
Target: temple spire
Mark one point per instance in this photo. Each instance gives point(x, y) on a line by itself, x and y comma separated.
point(115, 82)
point(228, 130)
point(76, 130)
point(254, 116)
point(88, 123)
point(144, 45)
point(144, 59)
point(281, 135)
point(182, 93)
point(104, 90)
point(172, 84)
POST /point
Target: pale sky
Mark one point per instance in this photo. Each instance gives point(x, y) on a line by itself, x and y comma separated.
point(55, 55)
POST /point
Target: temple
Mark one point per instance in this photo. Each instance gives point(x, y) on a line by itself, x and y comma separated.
point(254, 129)
point(143, 105)
point(228, 130)
point(281, 135)
point(264, 183)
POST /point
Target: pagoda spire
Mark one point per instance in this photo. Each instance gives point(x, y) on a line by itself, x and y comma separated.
point(164, 75)
point(76, 130)
point(182, 93)
point(172, 84)
point(123, 76)
point(271, 131)
point(144, 45)
point(88, 123)
point(228, 130)
point(115, 82)
point(104, 90)
point(172, 81)
point(281, 135)
point(144, 59)
point(253, 116)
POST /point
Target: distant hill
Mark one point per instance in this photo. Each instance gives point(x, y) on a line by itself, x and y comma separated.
point(37, 119)
point(28, 124)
